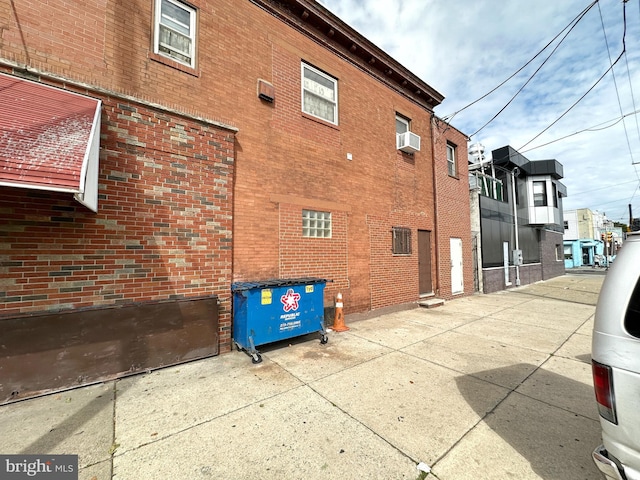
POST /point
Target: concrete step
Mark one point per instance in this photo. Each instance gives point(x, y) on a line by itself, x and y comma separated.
point(431, 302)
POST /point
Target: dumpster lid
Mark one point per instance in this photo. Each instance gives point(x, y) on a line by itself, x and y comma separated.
point(276, 282)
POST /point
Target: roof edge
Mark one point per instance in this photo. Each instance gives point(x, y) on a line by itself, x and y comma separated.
point(313, 20)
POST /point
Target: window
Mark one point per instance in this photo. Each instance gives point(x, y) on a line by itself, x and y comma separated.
point(632, 316)
point(540, 194)
point(402, 125)
point(406, 140)
point(175, 29)
point(451, 159)
point(319, 94)
point(566, 224)
point(559, 252)
point(316, 224)
point(401, 241)
point(554, 190)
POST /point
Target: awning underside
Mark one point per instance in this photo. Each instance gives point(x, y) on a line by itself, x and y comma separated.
point(49, 139)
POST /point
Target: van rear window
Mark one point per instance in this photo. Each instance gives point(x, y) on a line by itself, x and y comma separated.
point(632, 317)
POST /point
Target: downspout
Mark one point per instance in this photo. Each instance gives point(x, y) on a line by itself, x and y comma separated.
point(435, 205)
point(515, 171)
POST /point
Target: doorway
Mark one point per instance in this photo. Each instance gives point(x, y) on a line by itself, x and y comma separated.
point(424, 263)
point(456, 265)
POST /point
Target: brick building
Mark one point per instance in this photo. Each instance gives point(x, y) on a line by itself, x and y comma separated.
point(238, 140)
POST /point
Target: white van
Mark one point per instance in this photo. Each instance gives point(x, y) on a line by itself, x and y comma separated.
point(615, 355)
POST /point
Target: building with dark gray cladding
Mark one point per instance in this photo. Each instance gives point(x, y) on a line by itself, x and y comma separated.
point(520, 218)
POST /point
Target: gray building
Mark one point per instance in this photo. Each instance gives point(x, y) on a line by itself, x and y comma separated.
point(519, 213)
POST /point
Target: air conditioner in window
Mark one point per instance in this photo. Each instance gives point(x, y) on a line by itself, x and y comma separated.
point(408, 142)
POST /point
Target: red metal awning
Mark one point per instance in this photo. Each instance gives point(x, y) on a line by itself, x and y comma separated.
point(49, 139)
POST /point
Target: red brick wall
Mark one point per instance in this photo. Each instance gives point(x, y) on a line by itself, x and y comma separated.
point(279, 151)
point(316, 257)
point(162, 231)
point(453, 208)
point(394, 278)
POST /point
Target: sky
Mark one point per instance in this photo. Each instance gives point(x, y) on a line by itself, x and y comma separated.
point(466, 48)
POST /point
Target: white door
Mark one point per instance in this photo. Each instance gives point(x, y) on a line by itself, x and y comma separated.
point(456, 265)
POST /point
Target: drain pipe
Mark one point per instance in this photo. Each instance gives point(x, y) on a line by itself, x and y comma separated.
point(516, 261)
point(436, 240)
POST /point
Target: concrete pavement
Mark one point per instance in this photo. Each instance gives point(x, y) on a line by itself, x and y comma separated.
point(489, 386)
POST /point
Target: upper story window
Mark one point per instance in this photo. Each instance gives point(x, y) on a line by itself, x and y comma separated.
point(175, 31)
point(316, 224)
point(555, 194)
point(451, 160)
point(319, 94)
point(406, 140)
point(540, 193)
point(402, 124)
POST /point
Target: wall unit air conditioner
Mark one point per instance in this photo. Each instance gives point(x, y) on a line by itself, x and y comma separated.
point(408, 142)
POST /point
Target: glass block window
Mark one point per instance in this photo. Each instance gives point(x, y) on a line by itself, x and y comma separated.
point(401, 243)
point(319, 94)
point(175, 31)
point(316, 224)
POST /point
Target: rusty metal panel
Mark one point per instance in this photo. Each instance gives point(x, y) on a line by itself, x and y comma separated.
point(44, 353)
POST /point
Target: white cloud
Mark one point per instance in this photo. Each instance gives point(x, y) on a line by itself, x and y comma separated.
point(467, 47)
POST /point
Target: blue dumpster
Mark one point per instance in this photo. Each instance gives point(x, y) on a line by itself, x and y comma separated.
point(272, 310)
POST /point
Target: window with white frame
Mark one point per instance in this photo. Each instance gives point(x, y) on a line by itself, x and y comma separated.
point(451, 159)
point(402, 125)
point(316, 224)
point(175, 31)
point(319, 94)
point(401, 241)
point(540, 193)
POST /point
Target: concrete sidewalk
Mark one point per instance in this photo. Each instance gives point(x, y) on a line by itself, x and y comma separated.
point(491, 386)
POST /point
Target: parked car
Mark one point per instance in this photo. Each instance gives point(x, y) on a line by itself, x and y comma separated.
point(615, 357)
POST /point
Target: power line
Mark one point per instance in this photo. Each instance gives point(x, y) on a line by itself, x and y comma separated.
point(633, 100)
point(449, 117)
point(594, 128)
point(532, 76)
point(602, 188)
point(624, 49)
point(575, 103)
point(615, 83)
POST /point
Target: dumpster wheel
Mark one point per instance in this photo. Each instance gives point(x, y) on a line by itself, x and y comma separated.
point(256, 358)
point(324, 339)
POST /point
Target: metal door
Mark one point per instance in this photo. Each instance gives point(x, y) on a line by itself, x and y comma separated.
point(424, 262)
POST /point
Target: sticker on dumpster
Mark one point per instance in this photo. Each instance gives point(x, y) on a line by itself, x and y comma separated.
point(266, 297)
point(290, 304)
point(284, 326)
point(308, 289)
point(290, 300)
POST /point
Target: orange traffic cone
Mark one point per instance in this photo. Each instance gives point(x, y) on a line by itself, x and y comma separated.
point(338, 322)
